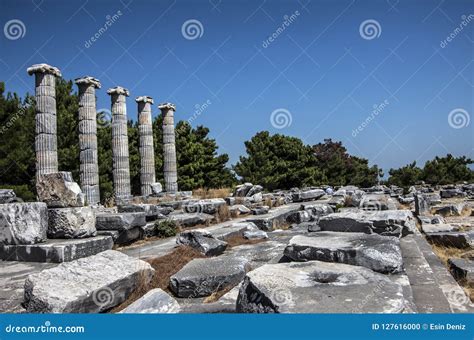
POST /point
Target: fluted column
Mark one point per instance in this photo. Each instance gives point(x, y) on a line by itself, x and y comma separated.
point(46, 144)
point(169, 148)
point(147, 153)
point(89, 167)
point(121, 168)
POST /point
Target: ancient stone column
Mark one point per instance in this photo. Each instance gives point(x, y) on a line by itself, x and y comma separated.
point(147, 153)
point(89, 168)
point(169, 148)
point(121, 168)
point(46, 144)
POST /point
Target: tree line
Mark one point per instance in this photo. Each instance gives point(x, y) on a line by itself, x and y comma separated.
point(273, 161)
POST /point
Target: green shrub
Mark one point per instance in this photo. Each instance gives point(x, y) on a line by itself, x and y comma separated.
point(166, 228)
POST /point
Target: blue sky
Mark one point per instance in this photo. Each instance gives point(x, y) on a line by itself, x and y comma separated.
point(322, 75)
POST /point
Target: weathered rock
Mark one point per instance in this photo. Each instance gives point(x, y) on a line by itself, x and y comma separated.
point(119, 221)
point(58, 190)
point(312, 226)
point(462, 270)
point(379, 253)
point(260, 253)
point(432, 198)
point(318, 209)
point(156, 188)
point(23, 223)
point(421, 205)
point(156, 301)
point(438, 228)
point(375, 202)
point(257, 198)
point(57, 250)
point(307, 195)
point(88, 285)
point(207, 206)
point(7, 196)
point(152, 212)
point(255, 234)
point(233, 230)
point(190, 220)
point(431, 219)
point(256, 189)
point(202, 277)
point(202, 241)
point(242, 189)
point(261, 210)
point(318, 287)
point(71, 222)
point(386, 222)
point(449, 193)
point(300, 216)
point(450, 209)
point(239, 209)
point(452, 239)
point(406, 199)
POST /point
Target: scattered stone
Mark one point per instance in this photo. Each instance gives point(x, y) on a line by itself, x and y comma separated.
point(156, 301)
point(7, 196)
point(450, 193)
point(312, 226)
point(202, 277)
point(71, 222)
point(462, 270)
point(450, 209)
point(119, 221)
point(23, 223)
point(379, 253)
point(58, 190)
point(152, 212)
point(240, 209)
point(307, 195)
point(233, 230)
point(190, 220)
point(257, 198)
point(256, 189)
point(387, 222)
point(317, 210)
point(300, 216)
point(406, 199)
point(242, 190)
point(375, 202)
point(451, 239)
point(260, 253)
point(318, 287)
point(88, 285)
point(57, 251)
point(202, 241)
point(438, 228)
point(255, 235)
point(207, 206)
point(262, 210)
point(156, 188)
point(421, 205)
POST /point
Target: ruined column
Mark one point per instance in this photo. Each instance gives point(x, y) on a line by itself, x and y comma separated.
point(147, 153)
point(46, 144)
point(169, 148)
point(89, 168)
point(121, 168)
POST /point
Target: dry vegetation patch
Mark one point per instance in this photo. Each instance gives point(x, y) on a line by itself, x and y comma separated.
point(239, 240)
point(212, 193)
point(165, 267)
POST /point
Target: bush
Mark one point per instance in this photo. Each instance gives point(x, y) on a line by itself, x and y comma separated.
point(166, 228)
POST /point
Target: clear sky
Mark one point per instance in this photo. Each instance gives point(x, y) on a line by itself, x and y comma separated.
point(381, 76)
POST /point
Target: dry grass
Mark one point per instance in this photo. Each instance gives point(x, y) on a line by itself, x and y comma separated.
point(218, 294)
point(268, 202)
point(165, 267)
point(445, 253)
point(223, 213)
point(239, 240)
point(212, 193)
point(348, 201)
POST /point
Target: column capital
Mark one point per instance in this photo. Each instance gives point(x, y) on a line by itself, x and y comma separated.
point(43, 68)
point(144, 99)
point(88, 80)
point(167, 106)
point(118, 90)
